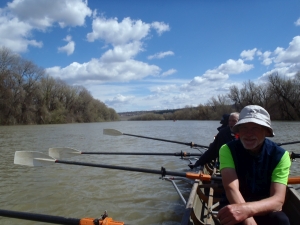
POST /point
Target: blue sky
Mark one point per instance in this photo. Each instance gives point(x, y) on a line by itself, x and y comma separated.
point(146, 55)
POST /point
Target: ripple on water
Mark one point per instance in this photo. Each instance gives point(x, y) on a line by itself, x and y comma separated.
point(77, 191)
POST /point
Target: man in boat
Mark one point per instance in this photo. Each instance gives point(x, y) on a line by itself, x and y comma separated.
point(225, 135)
point(224, 121)
point(254, 172)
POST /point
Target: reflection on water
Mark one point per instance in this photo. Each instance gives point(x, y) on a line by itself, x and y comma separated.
point(77, 191)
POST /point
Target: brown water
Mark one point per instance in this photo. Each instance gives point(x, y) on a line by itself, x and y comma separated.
point(77, 191)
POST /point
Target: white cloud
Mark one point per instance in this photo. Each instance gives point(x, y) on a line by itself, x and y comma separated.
point(265, 57)
point(68, 38)
point(160, 55)
point(287, 61)
point(15, 34)
point(197, 80)
point(233, 67)
point(165, 88)
point(116, 64)
point(119, 100)
point(215, 78)
point(248, 54)
point(121, 53)
point(97, 70)
point(289, 55)
point(68, 48)
point(170, 98)
point(169, 72)
point(111, 31)
point(42, 14)
point(287, 71)
point(151, 97)
point(182, 97)
point(160, 27)
point(20, 18)
point(297, 23)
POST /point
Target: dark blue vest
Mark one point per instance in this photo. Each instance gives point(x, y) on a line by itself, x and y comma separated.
point(255, 172)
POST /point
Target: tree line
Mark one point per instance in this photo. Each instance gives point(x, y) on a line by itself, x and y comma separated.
point(29, 96)
point(279, 95)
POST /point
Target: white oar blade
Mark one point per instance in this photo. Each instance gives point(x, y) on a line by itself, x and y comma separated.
point(32, 158)
point(62, 153)
point(112, 132)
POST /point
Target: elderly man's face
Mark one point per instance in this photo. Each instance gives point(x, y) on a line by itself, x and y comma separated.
point(233, 119)
point(252, 136)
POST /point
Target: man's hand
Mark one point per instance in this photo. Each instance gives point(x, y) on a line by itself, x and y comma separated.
point(235, 213)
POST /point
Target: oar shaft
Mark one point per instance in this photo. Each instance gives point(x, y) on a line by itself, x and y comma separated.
point(58, 219)
point(39, 217)
point(176, 142)
point(172, 173)
point(162, 172)
point(143, 153)
point(288, 143)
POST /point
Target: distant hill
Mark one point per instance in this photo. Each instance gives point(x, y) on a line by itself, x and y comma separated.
point(128, 115)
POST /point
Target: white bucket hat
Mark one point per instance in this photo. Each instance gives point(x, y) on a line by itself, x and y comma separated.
point(254, 114)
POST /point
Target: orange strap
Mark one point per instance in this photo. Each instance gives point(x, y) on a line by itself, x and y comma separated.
point(109, 221)
point(205, 177)
point(106, 221)
point(294, 180)
point(87, 221)
point(201, 176)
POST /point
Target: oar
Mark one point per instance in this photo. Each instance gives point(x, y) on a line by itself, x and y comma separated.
point(60, 153)
point(294, 155)
point(114, 132)
point(57, 219)
point(32, 158)
point(288, 143)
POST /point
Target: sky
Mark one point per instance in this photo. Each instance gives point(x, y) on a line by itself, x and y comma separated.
point(140, 55)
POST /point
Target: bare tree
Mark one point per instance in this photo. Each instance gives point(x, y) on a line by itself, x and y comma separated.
point(287, 94)
point(27, 96)
point(235, 96)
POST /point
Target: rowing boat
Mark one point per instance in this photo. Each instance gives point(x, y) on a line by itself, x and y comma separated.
point(202, 201)
point(202, 204)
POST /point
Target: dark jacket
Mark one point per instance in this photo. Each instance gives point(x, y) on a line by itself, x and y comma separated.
point(223, 137)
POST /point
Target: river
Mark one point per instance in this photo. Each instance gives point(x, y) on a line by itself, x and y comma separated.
point(78, 191)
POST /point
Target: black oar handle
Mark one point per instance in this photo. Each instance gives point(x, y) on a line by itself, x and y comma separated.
point(176, 142)
point(39, 217)
point(144, 153)
point(294, 155)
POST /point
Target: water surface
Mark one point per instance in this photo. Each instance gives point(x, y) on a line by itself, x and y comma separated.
point(77, 191)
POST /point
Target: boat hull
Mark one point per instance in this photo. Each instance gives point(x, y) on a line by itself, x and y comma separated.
point(196, 211)
point(292, 205)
